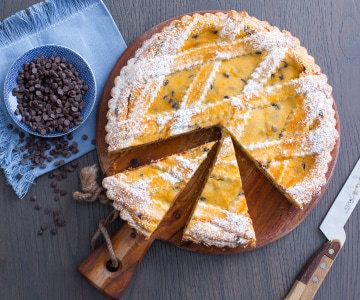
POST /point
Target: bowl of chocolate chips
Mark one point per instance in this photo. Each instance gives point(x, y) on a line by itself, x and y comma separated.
point(49, 91)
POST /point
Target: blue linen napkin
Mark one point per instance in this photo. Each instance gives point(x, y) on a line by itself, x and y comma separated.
point(85, 26)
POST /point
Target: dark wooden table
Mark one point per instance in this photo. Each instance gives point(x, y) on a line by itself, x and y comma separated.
point(45, 267)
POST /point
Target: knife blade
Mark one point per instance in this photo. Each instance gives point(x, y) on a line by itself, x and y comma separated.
point(309, 280)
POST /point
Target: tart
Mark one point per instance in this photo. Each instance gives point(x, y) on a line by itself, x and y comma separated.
point(221, 216)
point(231, 71)
point(144, 194)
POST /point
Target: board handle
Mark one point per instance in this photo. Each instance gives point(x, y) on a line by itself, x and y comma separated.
point(309, 280)
point(129, 248)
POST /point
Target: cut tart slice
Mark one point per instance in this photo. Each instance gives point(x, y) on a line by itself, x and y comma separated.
point(143, 195)
point(221, 217)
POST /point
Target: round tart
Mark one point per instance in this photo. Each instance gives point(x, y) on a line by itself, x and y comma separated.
point(236, 72)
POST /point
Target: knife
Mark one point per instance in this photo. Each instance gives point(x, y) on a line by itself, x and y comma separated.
point(313, 274)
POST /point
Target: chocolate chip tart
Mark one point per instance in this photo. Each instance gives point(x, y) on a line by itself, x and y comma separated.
point(230, 71)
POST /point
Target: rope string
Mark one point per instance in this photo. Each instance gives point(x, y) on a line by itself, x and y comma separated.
point(90, 192)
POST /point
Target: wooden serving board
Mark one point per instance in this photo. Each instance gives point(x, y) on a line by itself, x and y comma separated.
point(273, 216)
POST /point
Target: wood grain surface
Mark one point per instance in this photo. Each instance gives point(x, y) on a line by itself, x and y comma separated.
point(45, 267)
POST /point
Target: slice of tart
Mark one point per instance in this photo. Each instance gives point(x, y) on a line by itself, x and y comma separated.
point(221, 217)
point(143, 195)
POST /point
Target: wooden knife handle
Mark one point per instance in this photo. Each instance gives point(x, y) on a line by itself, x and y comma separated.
point(130, 248)
point(313, 274)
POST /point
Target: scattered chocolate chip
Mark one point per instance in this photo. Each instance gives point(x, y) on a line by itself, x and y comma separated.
point(47, 211)
point(19, 176)
point(53, 184)
point(226, 74)
point(195, 36)
point(44, 226)
point(202, 198)
point(37, 206)
point(281, 77)
point(166, 82)
point(61, 223)
point(33, 198)
point(84, 137)
point(63, 192)
point(40, 232)
point(53, 231)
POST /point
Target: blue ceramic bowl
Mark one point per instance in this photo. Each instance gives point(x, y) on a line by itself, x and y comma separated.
point(78, 62)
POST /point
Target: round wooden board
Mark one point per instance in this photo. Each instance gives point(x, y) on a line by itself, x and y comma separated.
point(273, 216)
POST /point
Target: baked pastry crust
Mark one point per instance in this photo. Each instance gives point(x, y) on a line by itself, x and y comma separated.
point(221, 216)
point(143, 195)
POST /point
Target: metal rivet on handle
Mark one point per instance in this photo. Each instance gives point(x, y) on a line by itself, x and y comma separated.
point(322, 265)
point(331, 251)
point(315, 279)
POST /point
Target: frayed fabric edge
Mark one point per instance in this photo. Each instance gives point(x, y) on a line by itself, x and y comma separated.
point(20, 176)
point(38, 17)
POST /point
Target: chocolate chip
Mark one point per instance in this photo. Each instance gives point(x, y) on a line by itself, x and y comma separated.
point(166, 82)
point(53, 184)
point(134, 163)
point(37, 206)
point(53, 231)
point(44, 226)
point(176, 215)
